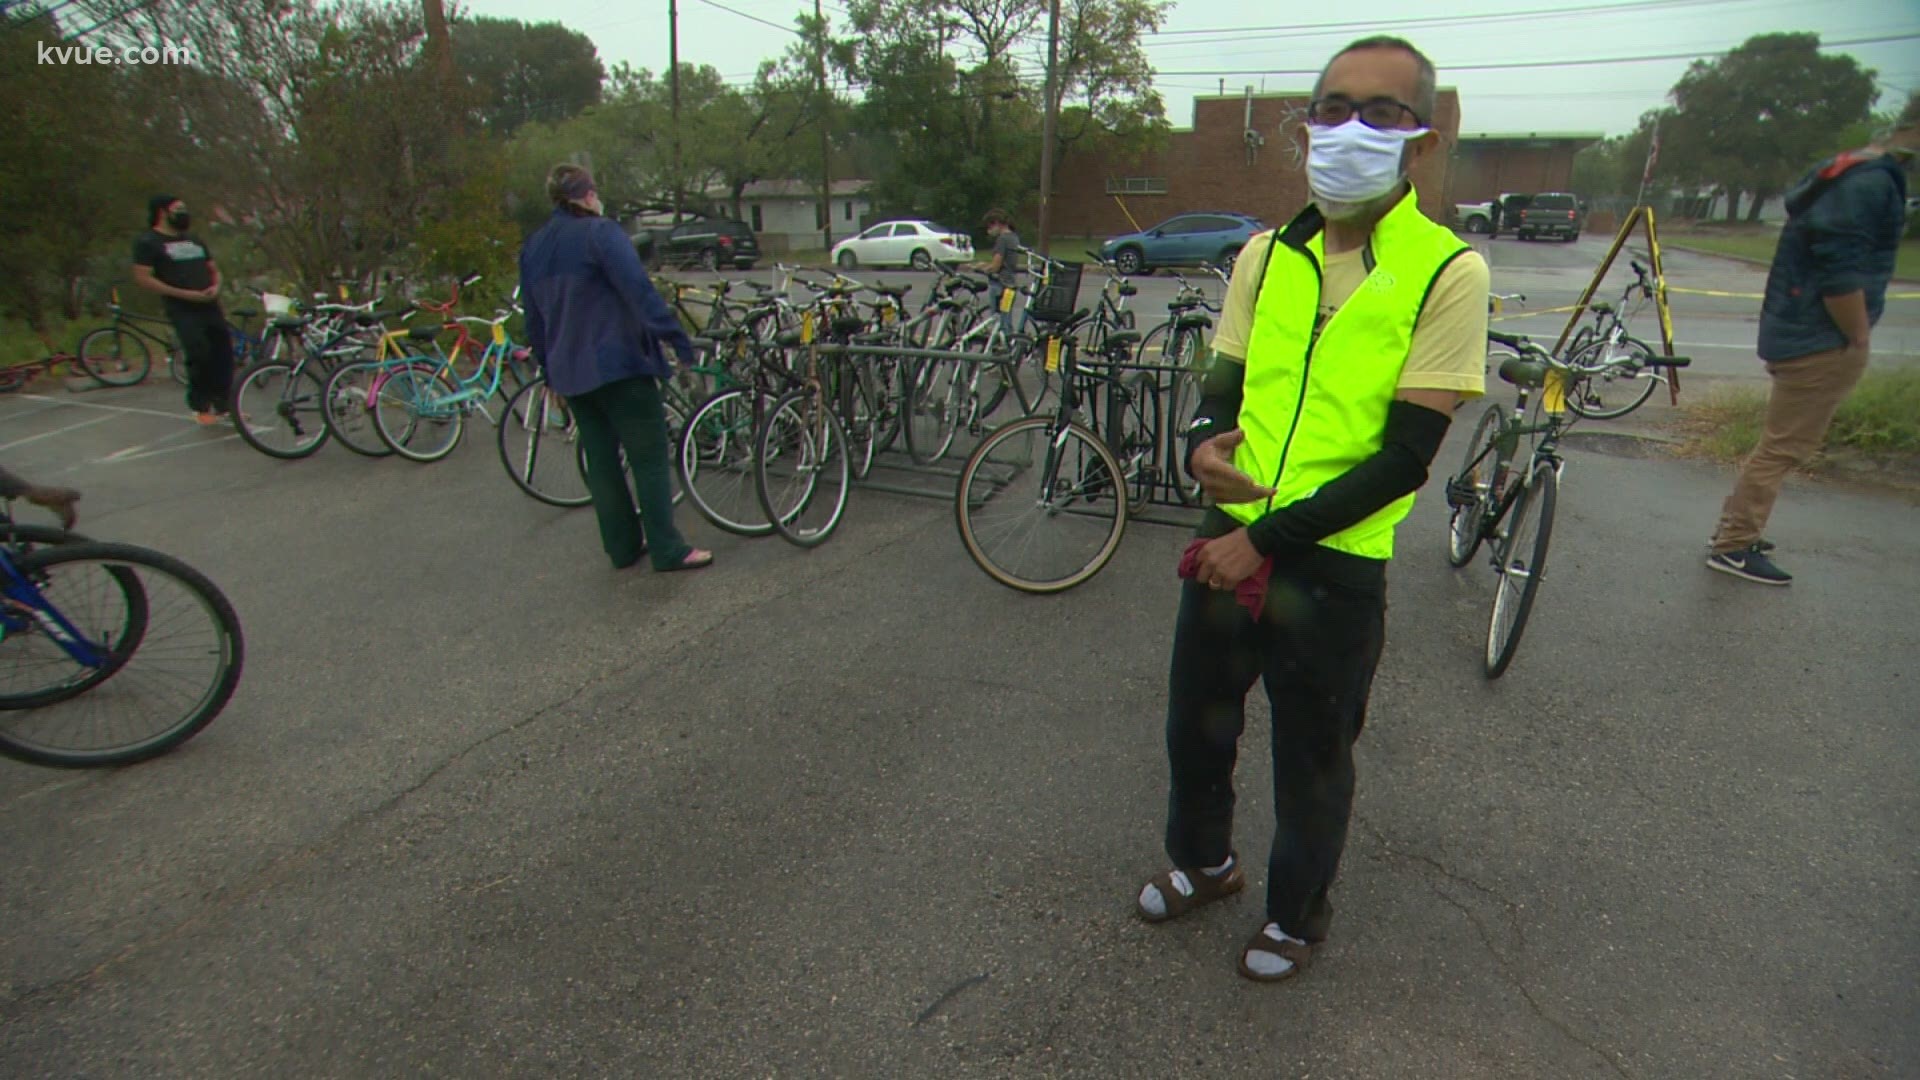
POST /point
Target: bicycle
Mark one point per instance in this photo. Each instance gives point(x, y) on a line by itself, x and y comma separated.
point(121, 352)
point(1511, 509)
point(1615, 372)
point(1070, 480)
point(90, 628)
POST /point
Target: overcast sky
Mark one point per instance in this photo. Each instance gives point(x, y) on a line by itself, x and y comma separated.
point(1216, 38)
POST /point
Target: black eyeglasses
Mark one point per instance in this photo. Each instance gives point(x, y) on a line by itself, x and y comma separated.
point(1383, 113)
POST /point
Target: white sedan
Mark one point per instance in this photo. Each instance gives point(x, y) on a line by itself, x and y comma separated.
point(918, 244)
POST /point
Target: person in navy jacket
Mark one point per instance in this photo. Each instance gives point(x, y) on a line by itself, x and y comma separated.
point(600, 331)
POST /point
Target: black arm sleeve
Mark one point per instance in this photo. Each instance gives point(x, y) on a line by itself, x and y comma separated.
point(1399, 467)
point(1219, 402)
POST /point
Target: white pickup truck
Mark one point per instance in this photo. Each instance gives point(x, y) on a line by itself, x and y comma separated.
point(1474, 217)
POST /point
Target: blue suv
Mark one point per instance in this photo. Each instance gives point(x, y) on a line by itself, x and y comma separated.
point(1184, 240)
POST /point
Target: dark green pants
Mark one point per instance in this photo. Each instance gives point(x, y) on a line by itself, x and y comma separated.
point(627, 414)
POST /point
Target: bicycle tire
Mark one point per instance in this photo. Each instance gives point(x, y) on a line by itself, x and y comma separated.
point(397, 414)
point(716, 462)
point(1466, 527)
point(1538, 499)
point(927, 413)
point(228, 660)
point(302, 395)
point(1183, 400)
point(1139, 438)
point(347, 411)
point(816, 447)
point(1583, 393)
point(551, 438)
point(23, 539)
point(131, 370)
point(1036, 445)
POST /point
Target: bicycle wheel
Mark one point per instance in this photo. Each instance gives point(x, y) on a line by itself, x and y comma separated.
point(929, 410)
point(540, 447)
point(413, 415)
point(1467, 527)
point(115, 357)
point(349, 408)
point(1039, 509)
point(801, 470)
point(279, 410)
point(1136, 437)
point(175, 678)
point(883, 395)
point(1614, 379)
point(1522, 565)
point(716, 462)
point(1188, 385)
point(43, 685)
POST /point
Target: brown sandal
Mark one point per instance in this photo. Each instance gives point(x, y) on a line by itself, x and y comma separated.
point(1206, 889)
point(1298, 954)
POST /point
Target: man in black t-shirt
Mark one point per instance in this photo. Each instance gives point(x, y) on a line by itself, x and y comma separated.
point(169, 260)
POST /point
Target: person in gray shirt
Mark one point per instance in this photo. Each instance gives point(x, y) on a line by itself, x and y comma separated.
point(1003, 269)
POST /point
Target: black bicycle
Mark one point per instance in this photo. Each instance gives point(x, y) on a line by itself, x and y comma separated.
point(1511, 508)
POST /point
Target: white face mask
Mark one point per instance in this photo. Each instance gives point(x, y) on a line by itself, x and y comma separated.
point(1351, 165)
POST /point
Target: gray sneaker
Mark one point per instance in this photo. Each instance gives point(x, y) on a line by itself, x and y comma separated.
point(1750, 563)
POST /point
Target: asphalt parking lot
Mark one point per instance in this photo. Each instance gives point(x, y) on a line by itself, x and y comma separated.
point(483, 805)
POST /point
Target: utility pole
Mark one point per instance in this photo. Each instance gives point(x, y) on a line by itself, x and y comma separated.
point(1049, 118)
point(826, 165)
point(440, 48)
point(673, 79)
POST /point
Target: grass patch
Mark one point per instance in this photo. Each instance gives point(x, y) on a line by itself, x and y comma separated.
point(1758, 245)
point(1881, 418)
point(19, 344)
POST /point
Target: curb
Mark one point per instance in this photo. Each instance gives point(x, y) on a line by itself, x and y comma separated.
point(1682, 245)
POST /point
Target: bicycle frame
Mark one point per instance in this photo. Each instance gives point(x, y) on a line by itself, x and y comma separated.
point(25, 606)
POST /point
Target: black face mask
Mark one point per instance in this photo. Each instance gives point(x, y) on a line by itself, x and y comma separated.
point(179, 219)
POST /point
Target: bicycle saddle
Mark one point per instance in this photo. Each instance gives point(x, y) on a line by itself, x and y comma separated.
point(1121, 339)
point(1523, 372)
point(895, 291)
point(1600, 307)
point(425, 333)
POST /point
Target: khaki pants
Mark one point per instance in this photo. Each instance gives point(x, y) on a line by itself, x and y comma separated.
point(1806, 392)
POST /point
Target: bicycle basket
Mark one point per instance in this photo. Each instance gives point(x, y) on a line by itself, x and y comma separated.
point(1058, 295)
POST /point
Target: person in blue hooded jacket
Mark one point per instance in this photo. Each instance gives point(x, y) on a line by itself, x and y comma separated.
point(1825, 293)
point(599, 329)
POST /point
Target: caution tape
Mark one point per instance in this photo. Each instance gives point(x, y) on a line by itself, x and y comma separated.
point(1763, 296)
point(1531, 314)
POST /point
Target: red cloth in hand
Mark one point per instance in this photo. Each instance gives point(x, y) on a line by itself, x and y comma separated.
point(1252, 590)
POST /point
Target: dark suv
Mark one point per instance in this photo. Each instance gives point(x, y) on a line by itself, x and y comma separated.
point(1555, 213)
point(710, 243)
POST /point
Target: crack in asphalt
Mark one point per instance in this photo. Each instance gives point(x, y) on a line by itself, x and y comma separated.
point(1505, 966)
point(279, 869)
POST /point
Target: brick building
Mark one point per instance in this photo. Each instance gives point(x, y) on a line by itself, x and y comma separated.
point(1238, 155)
point(1486, 166)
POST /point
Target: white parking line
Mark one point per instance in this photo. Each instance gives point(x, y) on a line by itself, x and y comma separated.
point(131, 452)
point(119, 460)
point(55, 431)
point(109, 408)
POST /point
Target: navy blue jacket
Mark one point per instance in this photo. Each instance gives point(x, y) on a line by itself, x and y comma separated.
point(1844, 221)
point(593, 315)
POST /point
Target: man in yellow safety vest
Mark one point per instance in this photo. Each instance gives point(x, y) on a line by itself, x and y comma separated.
point(1348, 338)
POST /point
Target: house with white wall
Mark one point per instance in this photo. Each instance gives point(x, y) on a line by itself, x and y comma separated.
point(785, 214)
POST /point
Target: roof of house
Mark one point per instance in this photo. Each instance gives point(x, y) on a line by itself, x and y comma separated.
point(1525, 136)
point(793, 189)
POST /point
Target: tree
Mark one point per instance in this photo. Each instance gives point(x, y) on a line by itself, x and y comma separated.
point(526, 72)
point(1755, 118)
point(1104, 71)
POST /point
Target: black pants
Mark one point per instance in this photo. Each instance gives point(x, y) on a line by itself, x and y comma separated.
point(1316, 645)
point(208, 345)
point(628, 415)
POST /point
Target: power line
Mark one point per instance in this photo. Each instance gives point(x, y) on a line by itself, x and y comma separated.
point(1492, 16)
point(753, 18)
point(1520, 64)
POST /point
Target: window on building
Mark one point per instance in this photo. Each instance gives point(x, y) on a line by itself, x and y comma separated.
point(819, 215)
point(849, 212)
point(758, 224)
point(1136, 185)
